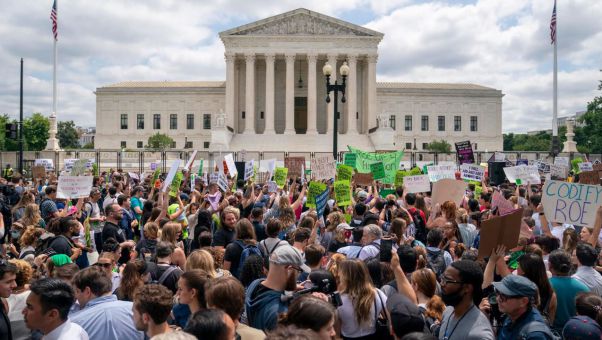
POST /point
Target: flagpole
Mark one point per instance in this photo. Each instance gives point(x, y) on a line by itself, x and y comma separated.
point(53, 143)
point(555, 140)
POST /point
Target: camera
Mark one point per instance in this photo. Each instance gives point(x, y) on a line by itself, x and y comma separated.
point(322, 281)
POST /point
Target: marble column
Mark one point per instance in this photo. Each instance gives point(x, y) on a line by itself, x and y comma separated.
point(351, 94)
point(371, 91)
point(250, 94)
point(230, 90)
point(332, 60)
point(269, 94)
point(290, 95)
point(312, 93)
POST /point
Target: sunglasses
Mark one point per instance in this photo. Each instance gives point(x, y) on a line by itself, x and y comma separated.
point(104, 265)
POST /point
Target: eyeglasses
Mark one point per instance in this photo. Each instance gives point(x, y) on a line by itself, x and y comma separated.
point(445, 280)
point(104, 265)
point(296, 268)
point(504, 297)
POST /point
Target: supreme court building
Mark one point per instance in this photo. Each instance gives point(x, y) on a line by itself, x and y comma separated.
point(273, 98)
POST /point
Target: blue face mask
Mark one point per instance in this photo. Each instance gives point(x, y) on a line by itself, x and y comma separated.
point(15, 234)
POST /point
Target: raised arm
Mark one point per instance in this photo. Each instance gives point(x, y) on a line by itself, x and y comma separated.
point(593, 238)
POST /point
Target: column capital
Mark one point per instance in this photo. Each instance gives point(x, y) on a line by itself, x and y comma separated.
point(270, 57)
point(351, 58)
point(331, 56)
point(290, 57)
point(312, 57)
point(250, 57)
point(230, 57)
point(372, 58)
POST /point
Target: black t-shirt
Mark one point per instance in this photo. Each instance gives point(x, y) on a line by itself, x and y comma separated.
point(171, 282)
point(335, 245)
point(146, 246)
point(223, 237)
point(260, 233)
point(232, 254)
point(112, 230)
point(61, 245)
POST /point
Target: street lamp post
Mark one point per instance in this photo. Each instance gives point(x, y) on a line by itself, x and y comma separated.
point(336, 88)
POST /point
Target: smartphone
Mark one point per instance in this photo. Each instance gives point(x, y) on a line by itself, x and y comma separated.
point(385, 249)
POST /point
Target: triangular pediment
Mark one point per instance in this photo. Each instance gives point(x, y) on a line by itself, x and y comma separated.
point(301, 22)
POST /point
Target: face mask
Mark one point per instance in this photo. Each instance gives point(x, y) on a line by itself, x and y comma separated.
point(452, 299)
point(15, 234)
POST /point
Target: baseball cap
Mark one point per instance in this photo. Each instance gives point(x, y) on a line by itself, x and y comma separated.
point(287, 255)
point(581, 327)
point(516, 285)
point(362, 195)
point(344, 226)
point(405, 315)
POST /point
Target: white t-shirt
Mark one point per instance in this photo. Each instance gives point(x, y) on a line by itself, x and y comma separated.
point(346, 313)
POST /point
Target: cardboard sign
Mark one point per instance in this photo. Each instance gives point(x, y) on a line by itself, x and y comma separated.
point(503, 230)
point(48, 164)
point(564, 161)
point(171, 174)
point(438, 172)
point(74, 186)
point(448, 190)
point(314, 189)
point(344, 172)
point(558, 171)
point(294, 166)
point(465, 153)
point(229, 159)
point(38, 171)
point(528, 173)
point(572, 203)
point(342, 193)
point(323, 167)
point(280, 177)
point(472, 172)
point(190, 160)
point(378, 170)
point(585, 166)
point(249, 169)
point(590, 177)
point(363, 179)
point(350, 159)
point(502, 204)
point(416, 184)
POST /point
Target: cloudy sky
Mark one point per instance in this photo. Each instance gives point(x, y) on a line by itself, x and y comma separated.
point(503, 44)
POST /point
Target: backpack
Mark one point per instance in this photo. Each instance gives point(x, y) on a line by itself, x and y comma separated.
point(247, 250)
point(45, 243)
point(419, 225)
point(269, 252)
point(362, 247)
point(537, 326)
point(436, 262)
point(431, 325)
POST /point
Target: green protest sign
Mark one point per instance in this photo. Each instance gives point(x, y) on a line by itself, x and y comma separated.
point(384, 192)
point(399, 175)
point(390, 161)
point(155, 175)
point(342, 193)
point(344, 172)
point(200, 172)
point(175, 184)
point(348, 218)
point(280, 177)
point(350, 159)
point(378, 170)
point(314, 189)
point(415, 171)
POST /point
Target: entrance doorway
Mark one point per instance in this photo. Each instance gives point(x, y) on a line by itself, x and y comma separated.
point(300, 115)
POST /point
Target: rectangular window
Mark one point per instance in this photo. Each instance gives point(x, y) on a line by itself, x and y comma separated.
point(408, 146)
point(190, 121)
point(425, 123)
point(124, 121)
point(207, 121)
point(473, 123)
point(408, 126)
point(139, 144)
point(441, 123)
point(157, 121)
point(173, 121)
point(206, 145)
point(188, 145)
point(173, 144)
point(457, 123)
point(475, 147)
point(140, 121)
point(392, 121)
point(123, 144)
point(425, 146)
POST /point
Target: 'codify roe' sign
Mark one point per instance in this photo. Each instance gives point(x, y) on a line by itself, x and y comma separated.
point(571, 203)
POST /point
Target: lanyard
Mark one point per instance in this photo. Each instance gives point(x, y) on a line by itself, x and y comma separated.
point(446, 336)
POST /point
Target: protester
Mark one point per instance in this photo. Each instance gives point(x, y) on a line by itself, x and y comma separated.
point(211, 324)
point(17, 300)
point(151, 307)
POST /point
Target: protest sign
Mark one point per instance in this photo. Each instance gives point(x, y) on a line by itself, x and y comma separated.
point(465, 153)
point(68, 164)
point(229, 159)
point(385, 192)
point(542, 166)
point(321, 201)
point(524, 173)
point(175, 184)
point(344, 172)
point(472, 172)
point(522, 161)
point(378, 170)
point(213, 177)
point(363, 179)
point(390, 162)
point(597, 166)
point(190, 160)
point(399, 175)
point(38, 171)
point(153, 166)
point(590, 177)
point(270, 166)
point(222, 182)
point(342, 193)
point(564, 161)
point(192, 182)
point(294, 166)
point(200, 171)
point(280, 177)
point(438, 172)
point(74, 186)
point(79, 167)
point(350, 159)
point(448, 190)
point(503, 230)
point(499, 157)
point(558, 171)
point(249, 169)
point(501, 203)
point(416, 184)
point(48, 164)
point(314, 189)
point(272, 187)
point(585, 166)
point(572, 203)
point(323, 167)
point(171, 174)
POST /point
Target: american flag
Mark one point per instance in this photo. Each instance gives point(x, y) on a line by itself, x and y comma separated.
point(53, 17)
point(553, 25)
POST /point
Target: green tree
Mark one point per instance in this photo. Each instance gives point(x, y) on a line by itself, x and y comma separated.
point(88, 145)
point(441, 146)
point(35, 132)
point(592, 130)
point(67, 135)
point(159, 141)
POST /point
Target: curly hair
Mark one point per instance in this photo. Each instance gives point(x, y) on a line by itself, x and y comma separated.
point(30, 236)
point(24, 272)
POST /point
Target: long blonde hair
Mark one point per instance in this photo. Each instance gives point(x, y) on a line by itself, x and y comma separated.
point(169, 232)
point(356, 282)
point(201, 259)
point(31, 215)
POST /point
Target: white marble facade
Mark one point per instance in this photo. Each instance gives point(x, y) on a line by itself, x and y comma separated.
point(273, 98)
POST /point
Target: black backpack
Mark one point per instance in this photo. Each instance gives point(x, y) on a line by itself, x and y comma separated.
point(419, 225)
point(436, 262)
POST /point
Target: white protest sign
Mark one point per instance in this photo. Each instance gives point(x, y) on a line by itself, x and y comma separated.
point(192, 182)
point(230, 164)
point(586, 166)
point(416, 184)
point(74, 186)
point(190, 160)
point(323, 167)
point(249, 169)
point(270, 166)
point(524, 173)
point(564, 161)
point(220, 167)
point(272, 187)
point(171, 174)
point(472, 172)
point(68, 164)
point(558, 171)
point(134, 175)
point(213, 177)
point(79, 167)
point(571, 203)
point(48, 164)
point(499, 157)
point(438, 172)
point(222, 182)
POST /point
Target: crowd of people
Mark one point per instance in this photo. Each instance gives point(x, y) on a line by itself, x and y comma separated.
point(131, 261)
